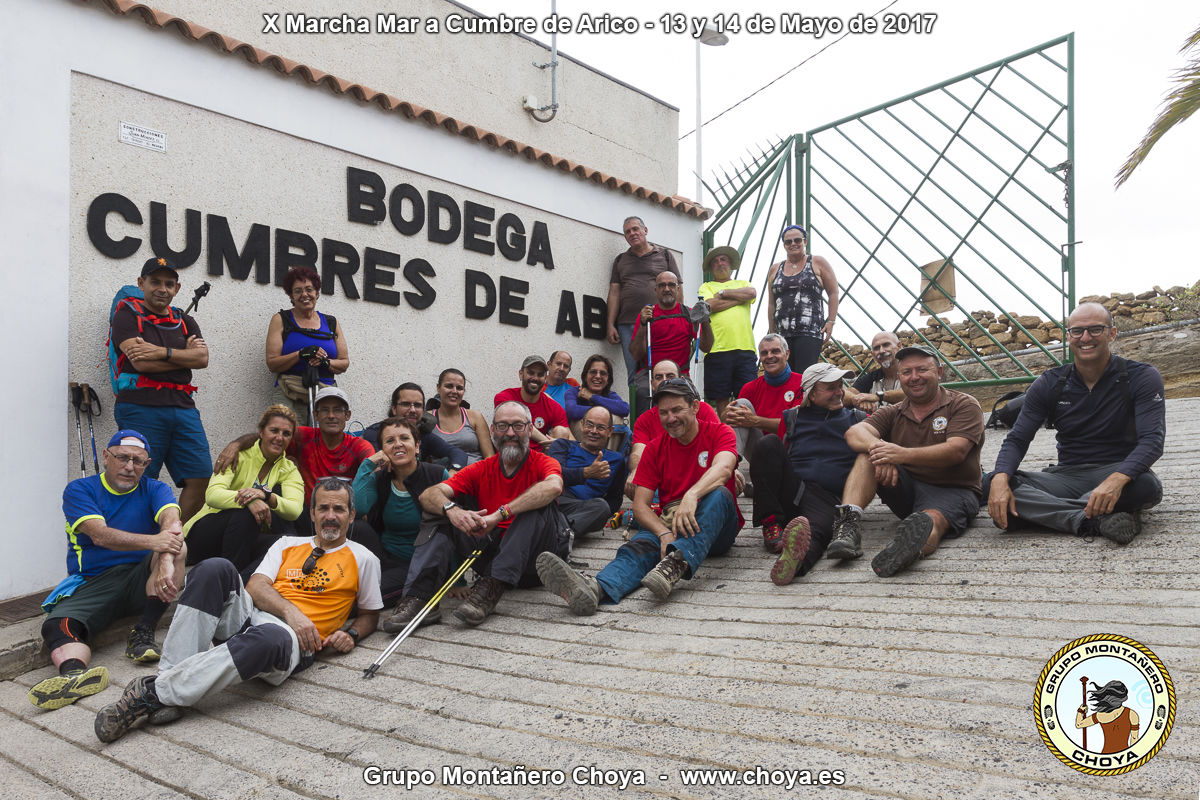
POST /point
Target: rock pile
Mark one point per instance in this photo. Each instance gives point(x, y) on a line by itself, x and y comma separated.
point(986, 332)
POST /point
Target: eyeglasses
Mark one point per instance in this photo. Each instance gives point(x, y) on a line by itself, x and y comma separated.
point(1094, 330)
point(310, 563)
point(671, 285)
point(793, 241)
point(305, 290)
point(515, 427)
point(588, 425)
point(399, 404)
point(603, 373)
point(137, 461)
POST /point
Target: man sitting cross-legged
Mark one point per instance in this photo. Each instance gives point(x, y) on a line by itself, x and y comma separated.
point(1111, 422)
point(691, 468)
point(922, 455)
point(514, 518)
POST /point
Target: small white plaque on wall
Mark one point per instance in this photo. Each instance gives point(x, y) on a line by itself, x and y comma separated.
point(143, 137)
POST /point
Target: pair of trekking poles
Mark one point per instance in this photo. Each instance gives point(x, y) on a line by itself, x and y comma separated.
point(85, 400)
point(426, 534)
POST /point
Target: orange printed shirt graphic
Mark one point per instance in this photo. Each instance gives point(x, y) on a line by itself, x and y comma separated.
point(342, 578)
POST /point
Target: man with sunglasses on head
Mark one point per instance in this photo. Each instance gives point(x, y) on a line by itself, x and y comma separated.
point(1111, 421)
point(294, 605)
point(503, 505)
point(125, 555)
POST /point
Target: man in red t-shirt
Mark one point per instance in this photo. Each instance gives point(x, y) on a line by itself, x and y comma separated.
point(512, 517)
point(648, 427)
point(549, 418)
point(691, 468)
point(663, 331)
point(758, 411)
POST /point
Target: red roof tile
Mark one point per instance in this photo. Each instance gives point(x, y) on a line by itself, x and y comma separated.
point(254, 55)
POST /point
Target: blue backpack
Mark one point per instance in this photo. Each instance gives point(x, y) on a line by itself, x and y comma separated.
point(120, 374)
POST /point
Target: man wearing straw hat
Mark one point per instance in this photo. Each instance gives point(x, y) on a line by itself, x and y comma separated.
point(731, 361)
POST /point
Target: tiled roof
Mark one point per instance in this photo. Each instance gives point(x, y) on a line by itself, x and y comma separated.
point(257, 56)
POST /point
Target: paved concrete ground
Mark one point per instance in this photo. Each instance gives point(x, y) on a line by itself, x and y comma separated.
point(916, 687)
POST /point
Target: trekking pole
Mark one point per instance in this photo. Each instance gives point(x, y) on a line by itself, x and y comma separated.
point(370, 671)
point(312, 408)
point(1083, 688)
point(91, 404)
point(200, 292)
point(649, 357)
point(77, 401)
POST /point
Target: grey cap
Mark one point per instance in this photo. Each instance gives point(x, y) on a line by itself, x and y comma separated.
point(531, 360)
point(331, 391)
point(915, 349)
point(821, 372)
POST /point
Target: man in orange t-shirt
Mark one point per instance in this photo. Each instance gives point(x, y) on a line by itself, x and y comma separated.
point(294, 605)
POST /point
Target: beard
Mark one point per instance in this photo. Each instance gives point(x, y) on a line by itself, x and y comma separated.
point(511, 448)
point(330, 532)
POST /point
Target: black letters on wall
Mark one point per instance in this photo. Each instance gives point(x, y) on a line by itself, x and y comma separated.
point(97, 216)
point(443, 219)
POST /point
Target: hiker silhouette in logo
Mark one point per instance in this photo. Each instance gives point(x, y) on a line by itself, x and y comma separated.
point(1119, 724)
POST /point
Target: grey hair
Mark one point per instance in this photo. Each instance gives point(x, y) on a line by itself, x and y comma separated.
point(641, 221)
point(523, 408)
point(775, 337)
point(333, 485)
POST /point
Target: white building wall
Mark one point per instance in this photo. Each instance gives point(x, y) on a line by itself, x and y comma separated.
point(254, 147)
point(481, 78)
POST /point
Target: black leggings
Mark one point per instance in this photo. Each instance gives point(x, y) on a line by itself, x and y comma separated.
point(234, 534)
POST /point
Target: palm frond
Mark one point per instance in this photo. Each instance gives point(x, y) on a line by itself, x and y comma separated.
point(1181, 103)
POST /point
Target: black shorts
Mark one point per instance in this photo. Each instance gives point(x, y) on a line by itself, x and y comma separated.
point(117, 592)
point(957, 504)
point(726, 373)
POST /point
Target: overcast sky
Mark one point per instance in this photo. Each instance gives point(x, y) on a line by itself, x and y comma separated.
point(1132, 238)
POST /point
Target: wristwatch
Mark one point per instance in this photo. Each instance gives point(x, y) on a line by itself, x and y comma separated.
point(446, 508)
point(354, 634)
point(880, 396)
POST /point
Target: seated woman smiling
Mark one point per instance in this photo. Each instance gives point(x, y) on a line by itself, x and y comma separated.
point(246, 509)
point(387, 487)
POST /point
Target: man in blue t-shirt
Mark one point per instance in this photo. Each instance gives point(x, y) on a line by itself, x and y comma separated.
point(1111, 420)
point(593, 477)
point(125, 555)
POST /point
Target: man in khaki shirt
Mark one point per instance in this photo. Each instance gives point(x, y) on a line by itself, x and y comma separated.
point(922, 456)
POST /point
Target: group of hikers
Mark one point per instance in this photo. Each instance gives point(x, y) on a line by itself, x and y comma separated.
point(301, 533)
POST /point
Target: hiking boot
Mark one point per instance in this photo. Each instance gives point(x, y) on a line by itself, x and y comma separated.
point(581, 592)
point(481, 601)
point(911, 535)
point(1120, 526)
point(662, 579)
point(794, 547)
point(847, 534)
point(137, 703)
point(773, 537)
point(62, 690)
point(141, 645)
point(406, 610)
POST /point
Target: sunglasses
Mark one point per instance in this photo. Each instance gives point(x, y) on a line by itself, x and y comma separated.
point(793, 241)
point(310, 563)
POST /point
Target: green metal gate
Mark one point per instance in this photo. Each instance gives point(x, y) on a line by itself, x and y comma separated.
point(970, 179)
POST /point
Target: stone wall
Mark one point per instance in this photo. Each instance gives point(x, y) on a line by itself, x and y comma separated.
point(985, 331)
